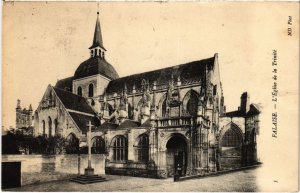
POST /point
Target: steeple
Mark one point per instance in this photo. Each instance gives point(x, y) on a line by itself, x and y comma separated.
point(97, 49)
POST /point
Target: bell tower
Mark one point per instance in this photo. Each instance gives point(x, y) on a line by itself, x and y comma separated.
point(97, 49)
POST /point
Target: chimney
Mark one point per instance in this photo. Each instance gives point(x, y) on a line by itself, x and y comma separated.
point(245, 99)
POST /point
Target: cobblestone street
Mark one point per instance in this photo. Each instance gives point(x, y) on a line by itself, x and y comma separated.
point(237, 181)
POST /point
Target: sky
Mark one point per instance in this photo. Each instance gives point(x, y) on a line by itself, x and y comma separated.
point(43, 42)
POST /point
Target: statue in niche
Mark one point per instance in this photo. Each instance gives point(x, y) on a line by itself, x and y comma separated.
point(123, 104)
point(146, 98)
point(173, 95)
point(123, 100)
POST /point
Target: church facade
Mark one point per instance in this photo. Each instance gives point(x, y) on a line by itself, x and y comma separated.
point(144, 122)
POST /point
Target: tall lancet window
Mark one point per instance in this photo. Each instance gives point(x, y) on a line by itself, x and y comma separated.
point(192, 104)
point(50, 126)
point(91, 90)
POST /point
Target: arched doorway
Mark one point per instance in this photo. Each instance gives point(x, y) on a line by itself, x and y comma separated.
point(176, 152)
point(231, 143)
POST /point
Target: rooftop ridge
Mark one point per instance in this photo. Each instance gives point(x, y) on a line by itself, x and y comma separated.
point(170, 67)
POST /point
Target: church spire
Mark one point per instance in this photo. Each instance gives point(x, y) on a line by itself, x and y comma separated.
point(97, 49)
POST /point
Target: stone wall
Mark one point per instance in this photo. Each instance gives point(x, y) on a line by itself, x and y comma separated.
point(41, 168)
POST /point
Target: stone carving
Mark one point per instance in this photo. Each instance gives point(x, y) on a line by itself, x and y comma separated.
point(162, 135)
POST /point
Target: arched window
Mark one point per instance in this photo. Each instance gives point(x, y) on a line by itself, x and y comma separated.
point(143, 148)
point(231, 139)
point(79, 91)
point(50, 126)
point(92, 53)
point(44, 127)
point(164, 108)
point(98, 145)
point(72, 144)
point(192, 105)
point(91, 90)
point(120, 148)
point(56, 126)
point(93, 102)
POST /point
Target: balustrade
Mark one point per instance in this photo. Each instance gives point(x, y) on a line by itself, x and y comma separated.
point(174, 121)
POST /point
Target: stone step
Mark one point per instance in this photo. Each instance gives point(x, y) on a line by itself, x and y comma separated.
point(88, 179)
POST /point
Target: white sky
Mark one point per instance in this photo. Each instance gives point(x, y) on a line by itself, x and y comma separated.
point(44, 42)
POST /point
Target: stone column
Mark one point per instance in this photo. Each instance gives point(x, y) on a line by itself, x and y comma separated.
point(130, 145)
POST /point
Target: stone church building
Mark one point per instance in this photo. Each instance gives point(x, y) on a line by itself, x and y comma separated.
point(142, 122)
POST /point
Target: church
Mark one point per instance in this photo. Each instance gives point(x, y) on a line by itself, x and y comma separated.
point(146, 122)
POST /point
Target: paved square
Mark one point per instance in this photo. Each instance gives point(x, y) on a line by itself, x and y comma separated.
point(240, 181)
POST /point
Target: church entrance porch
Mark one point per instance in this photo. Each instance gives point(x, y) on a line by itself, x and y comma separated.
point(176, 153)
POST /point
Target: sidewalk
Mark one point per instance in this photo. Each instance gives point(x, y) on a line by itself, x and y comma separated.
point(227, 182)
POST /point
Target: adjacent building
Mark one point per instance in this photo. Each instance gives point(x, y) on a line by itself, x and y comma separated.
point(24, 119)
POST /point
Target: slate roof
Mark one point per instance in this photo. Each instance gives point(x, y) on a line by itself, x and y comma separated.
point(97, 40)
point(73, 101)
point(128, 124)
point(235, 114)
point(65, 83)
point(107, 125)
point(254, 110)
point(189, 72)
point(82, 121)
point(147, 123)
point(93, 66)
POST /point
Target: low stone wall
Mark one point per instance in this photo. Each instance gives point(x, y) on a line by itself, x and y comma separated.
point(130, 168)
point(44, 168)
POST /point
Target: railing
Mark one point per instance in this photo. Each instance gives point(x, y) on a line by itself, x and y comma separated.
point(182, 121)
point(174, 121)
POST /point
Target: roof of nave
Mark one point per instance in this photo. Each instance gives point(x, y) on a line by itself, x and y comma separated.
point(189, 73)
point(82, 121)
point(95, 65)
point(65, 83)
point(73, 101)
